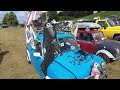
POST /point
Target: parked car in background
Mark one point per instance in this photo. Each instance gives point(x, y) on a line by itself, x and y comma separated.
point(114, 18)
point(93, 41)
point(4, 26)
point(108, 27)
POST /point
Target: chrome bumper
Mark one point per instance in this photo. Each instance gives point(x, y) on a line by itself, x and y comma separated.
point(116, 58)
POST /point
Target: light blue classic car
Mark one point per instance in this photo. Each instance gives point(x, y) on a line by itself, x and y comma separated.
point(70, 63)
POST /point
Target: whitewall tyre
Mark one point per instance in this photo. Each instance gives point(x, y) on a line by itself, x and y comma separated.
point(28, 57)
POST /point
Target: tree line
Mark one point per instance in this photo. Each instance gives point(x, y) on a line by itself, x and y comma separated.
point(67, 15)
point(10, 18)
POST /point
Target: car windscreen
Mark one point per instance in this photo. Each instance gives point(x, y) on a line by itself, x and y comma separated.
point(99, 36)
point(67, 44)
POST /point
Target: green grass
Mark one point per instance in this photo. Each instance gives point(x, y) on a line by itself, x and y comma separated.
point(102, 15)
point(13, 63)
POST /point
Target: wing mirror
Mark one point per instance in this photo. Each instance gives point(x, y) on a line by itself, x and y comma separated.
point(105, 27)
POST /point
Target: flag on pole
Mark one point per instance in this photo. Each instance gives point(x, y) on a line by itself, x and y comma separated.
point(33, 33)
point(28, 35)
point(34, 15)
point(28, 18)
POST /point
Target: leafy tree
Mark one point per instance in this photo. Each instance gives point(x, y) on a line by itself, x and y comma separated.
point(61, 13)
point(73, 14)
point(53, 15)
point(10, 19)
point(43, 16)
point(5, 19)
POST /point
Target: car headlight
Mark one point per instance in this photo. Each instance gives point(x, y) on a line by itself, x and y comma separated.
point(103, 65)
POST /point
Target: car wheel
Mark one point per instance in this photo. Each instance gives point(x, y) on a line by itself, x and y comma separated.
point(104, 56)
point(117, 38)
point(28, 57)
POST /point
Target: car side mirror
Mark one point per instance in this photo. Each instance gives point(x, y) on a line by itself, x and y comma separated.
point(101, 27)
point(105, 27)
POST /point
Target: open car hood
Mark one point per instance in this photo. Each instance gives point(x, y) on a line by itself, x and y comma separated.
point(75, 63)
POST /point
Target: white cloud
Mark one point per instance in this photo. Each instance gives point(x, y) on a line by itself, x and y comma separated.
point(3, 12)
point(21, 16)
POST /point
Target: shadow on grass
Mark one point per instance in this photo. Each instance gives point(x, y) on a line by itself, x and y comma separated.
point(2, 53)
point(112, 61)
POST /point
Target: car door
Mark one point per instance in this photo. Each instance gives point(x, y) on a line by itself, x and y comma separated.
point(36, 58)
point(106, 29)
point(85, 40)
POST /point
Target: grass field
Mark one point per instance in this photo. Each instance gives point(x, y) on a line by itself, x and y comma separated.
point(13, 64)
point(102, 15)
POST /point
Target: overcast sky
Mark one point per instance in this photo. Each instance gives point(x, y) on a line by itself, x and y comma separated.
point(21, 15)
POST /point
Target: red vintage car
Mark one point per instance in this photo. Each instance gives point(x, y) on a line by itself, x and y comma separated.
point(93, 41)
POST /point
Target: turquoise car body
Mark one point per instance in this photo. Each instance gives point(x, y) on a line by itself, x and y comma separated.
point(70, 64)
